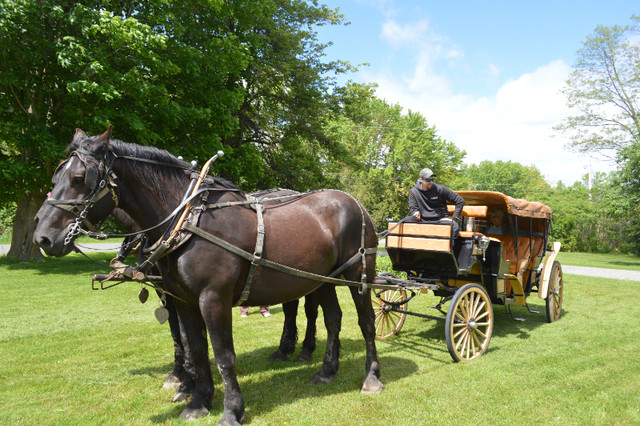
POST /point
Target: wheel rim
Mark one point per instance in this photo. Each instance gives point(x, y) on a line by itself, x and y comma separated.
point(554, 295)
point(388, 322)
point(469, 323)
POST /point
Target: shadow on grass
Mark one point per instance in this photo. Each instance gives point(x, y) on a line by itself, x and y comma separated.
point(73, 263)
point(266, 385)
point(622, 263)
point(430, 341)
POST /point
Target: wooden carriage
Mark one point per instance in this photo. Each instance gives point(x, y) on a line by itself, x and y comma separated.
point(471, 271)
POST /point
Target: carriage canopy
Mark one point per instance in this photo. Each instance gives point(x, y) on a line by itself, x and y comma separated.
point(499, 201)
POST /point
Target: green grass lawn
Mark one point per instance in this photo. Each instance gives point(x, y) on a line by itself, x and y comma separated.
point(70, 355)
point(601, 260)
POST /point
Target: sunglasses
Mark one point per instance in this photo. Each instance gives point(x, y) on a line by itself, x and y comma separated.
point(428, 180)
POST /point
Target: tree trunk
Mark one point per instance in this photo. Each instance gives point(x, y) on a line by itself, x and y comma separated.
point(22, 246)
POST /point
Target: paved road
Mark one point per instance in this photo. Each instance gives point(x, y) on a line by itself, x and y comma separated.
point(4, 248)
point(618, 274)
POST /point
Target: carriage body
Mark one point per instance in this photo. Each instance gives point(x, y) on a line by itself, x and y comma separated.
point(497, 269)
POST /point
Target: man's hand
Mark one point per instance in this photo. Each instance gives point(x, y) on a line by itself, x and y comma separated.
point(416, 215)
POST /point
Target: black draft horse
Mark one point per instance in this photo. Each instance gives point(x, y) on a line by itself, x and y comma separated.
point(318, 233)
point(182, 377)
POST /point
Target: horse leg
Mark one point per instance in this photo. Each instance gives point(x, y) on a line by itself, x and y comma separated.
point(309, 343)
point(328, 299)
point(174, 379)
point(217, 316)
point(366, 316)
point(289, 332)
point(196, 336)
point(188, 382)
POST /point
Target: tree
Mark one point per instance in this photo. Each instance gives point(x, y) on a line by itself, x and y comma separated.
point(191, 77)
point(510, 178)
point(604, 88)
point(386, 150)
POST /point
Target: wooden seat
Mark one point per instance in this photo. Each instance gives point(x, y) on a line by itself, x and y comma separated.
point(470, 211)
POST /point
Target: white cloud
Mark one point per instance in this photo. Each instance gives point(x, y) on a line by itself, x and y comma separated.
point(513, 124)
point(401, 36)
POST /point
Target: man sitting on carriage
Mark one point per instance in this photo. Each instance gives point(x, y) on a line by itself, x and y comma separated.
point(428, 201)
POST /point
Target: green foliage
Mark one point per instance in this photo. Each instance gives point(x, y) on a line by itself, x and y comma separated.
point(387, 148)
point(604, 89)
point(247, 77)
point(510, 178)
point(6, 218)
point(604, 92)
point(192, 78)
point(595, 220)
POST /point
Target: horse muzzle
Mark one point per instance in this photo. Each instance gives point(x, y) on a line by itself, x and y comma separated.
point(52, 243)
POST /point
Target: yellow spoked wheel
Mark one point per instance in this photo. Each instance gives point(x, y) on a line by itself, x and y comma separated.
point(469, 323)
point(554, 293)
point(388, 322)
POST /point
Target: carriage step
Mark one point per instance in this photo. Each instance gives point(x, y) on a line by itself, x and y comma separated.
point(508, 308)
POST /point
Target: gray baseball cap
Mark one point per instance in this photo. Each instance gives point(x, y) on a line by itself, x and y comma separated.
point(426, 174)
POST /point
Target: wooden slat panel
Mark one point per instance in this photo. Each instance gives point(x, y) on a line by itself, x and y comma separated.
point(421, 229)
point(413, 243)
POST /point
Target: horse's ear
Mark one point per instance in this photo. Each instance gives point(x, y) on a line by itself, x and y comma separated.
point(79, 135)
point(75, 142)
point(102, 141)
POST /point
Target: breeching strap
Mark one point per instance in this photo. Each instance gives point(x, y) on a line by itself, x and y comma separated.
point(257, 255)
point(279, 267)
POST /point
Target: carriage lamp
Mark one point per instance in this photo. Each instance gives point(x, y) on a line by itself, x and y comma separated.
point(484, 243)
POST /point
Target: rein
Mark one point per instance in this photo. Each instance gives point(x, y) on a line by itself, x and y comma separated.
point(179, 224)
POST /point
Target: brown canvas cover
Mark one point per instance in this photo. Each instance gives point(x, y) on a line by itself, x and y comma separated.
point(515, 206)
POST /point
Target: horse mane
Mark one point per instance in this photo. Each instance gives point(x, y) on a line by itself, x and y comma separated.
point(157, 175)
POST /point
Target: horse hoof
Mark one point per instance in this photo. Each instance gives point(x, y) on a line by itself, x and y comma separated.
point(180, 396)
point(171, 382)
point(304, 357)
point(193, 413)
point(229, 420)
point(278, 356)
point(319, 379)
point(371, 385)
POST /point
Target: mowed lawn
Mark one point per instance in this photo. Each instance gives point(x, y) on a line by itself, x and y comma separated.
point(71, 355)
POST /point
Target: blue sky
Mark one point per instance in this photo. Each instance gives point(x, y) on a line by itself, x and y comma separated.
point(487, 74)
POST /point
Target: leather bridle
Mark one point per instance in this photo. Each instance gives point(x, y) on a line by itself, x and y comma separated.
point(101, 179)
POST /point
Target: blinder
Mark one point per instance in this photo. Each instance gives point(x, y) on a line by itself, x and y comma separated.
point(91, 177)
point(101, 181)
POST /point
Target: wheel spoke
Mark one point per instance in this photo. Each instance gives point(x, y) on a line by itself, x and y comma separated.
point(462, 330)
point(475, 337)
point(462, 338)
point(474, 309)
point(484, 314)
point(379, 314)
point(479, 309)
point(379, 327)
point(474, 340)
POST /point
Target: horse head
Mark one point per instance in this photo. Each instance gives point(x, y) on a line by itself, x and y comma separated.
point(84, 194)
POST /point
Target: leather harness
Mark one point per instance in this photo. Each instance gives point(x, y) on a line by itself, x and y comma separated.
point(186, 226)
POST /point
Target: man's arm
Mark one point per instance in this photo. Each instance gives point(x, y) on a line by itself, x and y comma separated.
point(414, 210)
point(457, 200)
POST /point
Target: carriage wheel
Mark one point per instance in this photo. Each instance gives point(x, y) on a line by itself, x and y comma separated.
point(469, 323)
point(388, 322)
point(554, 293)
